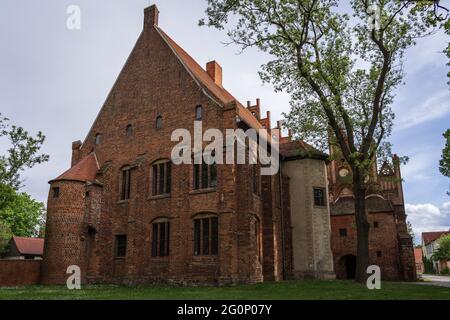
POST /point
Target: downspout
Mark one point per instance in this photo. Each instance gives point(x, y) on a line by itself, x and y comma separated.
point(283, 245)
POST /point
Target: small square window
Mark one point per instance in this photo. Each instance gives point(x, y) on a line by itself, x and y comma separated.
point(379, 254)
point(376, 224)
point(343, 232)
point(56, 192)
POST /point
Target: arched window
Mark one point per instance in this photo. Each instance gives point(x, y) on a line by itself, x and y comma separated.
point(160, 237)
point(158, 122)
point(198, 112)
point(98, 138)
point(161, 177)
point(206, 234)
point(129, 130)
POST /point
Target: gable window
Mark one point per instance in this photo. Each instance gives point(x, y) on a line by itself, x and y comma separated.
point(319, 197)
point(129, 130)
point(98, 138)
point(161, 178)
point(376, 224)
point(198, 112)
point(126, 184)
point(160, 238)
point(206, 236)
point(121, 246)
point(205, 176)
point(158, 122)
point(343, 232)
point(56, 192)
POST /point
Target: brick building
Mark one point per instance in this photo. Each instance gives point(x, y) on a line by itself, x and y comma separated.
point(390, 245)
point(124, 213)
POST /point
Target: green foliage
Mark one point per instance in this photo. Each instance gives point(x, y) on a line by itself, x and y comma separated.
point(341, 73)
point(443, 252)
point(411, 231)
point(428, 265)
point(444, 163)
point(22, 153)
point(5, 236)
point(445, 271)
point(20, 215)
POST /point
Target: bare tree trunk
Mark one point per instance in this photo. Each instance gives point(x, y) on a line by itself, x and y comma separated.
point(362, 227)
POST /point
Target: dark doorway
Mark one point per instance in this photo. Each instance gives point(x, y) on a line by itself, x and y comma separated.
point(349, 262)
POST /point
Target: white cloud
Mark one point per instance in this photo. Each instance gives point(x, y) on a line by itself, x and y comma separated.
point(428, 217)
point(434, 107)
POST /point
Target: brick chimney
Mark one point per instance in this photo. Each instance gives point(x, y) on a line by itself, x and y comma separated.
point(151, 17)
point(215, 72)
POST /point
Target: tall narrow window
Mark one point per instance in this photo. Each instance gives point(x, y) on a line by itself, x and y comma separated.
point(158, 122)
point(319, 197)
point(206, 236)
point(205, 176)
point(160, 238)
point(126, 184)
point(121, 246)
point(162, 180)
point(129, 130)
point(98, 138)
point(198, 112)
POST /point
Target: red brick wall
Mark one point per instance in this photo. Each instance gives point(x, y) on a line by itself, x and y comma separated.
point(383, 238)
point(152, 83)
point(19, 272)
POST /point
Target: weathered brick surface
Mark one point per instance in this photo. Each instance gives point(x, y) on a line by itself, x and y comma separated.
point(84, 220)
point(19, 272)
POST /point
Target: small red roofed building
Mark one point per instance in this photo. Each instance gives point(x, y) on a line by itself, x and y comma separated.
point(430, 243)
point(23, 248)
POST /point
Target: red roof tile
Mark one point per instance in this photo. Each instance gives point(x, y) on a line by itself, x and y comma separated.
point(85, 170)
point(32, 246)
point(432, 236)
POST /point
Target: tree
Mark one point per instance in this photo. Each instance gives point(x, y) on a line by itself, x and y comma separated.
point(443, 252)
point(341, 73)
point(444, 163)
point(23, 153)
point(411, 231)
point(5, 237)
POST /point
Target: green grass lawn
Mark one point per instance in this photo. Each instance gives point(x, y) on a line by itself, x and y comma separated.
point(289, 290)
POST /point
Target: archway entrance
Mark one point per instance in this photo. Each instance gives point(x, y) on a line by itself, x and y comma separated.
point(349, 263)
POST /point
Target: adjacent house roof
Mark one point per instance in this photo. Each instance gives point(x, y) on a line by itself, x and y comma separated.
point(85, 170)
point(29, 246)
point(428, 237)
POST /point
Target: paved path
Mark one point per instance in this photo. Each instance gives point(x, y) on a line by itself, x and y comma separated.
point(442, 281)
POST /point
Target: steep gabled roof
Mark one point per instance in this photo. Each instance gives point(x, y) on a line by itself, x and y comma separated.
point(85, 170)
point(433, 236)
point(29, 246)
point(221, 95)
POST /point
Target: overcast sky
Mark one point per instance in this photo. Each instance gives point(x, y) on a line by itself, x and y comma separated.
point(56, 80)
